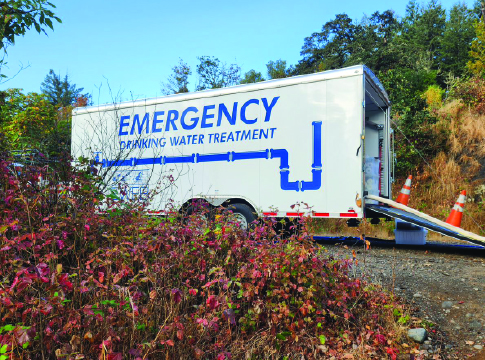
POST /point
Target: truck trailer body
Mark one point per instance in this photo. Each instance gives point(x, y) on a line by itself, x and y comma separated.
point(312, 144)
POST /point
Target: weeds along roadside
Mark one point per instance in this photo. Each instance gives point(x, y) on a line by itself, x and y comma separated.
point(79, 283)
point(462, 167)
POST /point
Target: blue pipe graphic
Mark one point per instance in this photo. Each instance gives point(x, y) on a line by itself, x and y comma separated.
point(282, 154)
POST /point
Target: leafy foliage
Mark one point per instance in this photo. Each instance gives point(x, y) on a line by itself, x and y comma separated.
point(477, 64)
point(457, 37)
point(178, 81)
point(31, 121)
point(77, 282)
point(472, 93)
point(18, 16)
point(252, 76)
point(422, 33)
point(214, 75)
point(61, 92)
point(277, 69)
point(27, 119)
point(433, 97)
point(330, 48)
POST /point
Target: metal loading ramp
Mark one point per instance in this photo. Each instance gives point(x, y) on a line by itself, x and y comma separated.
point(402, 212)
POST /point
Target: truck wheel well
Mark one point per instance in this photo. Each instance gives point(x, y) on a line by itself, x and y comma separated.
point(240, 201)
point(183, 209)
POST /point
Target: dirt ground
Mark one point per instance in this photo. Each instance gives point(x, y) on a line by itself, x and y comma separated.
point(445, 292)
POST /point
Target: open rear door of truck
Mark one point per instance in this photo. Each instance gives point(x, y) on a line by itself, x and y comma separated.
point(398, 211)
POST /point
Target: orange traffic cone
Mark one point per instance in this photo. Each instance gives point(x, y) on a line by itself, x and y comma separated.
point(403, 197)
point(457, 211)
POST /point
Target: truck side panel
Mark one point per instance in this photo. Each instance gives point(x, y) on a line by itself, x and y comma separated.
point(275, 147)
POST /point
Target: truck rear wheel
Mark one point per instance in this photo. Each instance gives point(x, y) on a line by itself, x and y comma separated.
point(244, 214)
point(201, 210)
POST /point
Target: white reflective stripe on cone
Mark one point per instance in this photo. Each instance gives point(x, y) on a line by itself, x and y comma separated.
point(458, 207)
point(405, 191)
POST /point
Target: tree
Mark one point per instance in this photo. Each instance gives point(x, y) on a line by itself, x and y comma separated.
point(372, 42)
point(61, 92)
point(27, 120)
point(31, 121)
point(457, 37)
point(477, 64)
point(252, 76)
point(18, 16)
point(422, 34)
point(178, 81)
point(330, 48)
point(479, 9)
point(277, 69)
point(214, 75)
point(343, 42)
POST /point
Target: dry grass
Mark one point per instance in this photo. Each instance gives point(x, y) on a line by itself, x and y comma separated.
point(466, 129)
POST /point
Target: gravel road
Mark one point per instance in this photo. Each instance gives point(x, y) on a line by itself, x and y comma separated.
point(441, 288)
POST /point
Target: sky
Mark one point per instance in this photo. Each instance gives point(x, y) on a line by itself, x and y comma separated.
point(123, 50)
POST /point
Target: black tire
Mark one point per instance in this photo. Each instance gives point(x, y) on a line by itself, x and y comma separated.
point(244, 213)
point(198, 207)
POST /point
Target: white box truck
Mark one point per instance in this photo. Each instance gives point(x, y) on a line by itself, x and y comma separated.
point(321, 141)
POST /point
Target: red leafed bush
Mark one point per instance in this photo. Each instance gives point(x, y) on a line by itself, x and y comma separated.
point(472, 92)
point(78, 283)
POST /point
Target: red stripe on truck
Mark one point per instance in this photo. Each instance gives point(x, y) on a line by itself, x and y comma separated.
point(270, 214)
point(348, 214)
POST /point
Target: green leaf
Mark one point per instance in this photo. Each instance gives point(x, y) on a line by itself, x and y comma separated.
point(280, 337)
point(3, 350)
point(25, 345)
point(49, 23)
point(322, 339)
point(7, 327)
point(109, 302)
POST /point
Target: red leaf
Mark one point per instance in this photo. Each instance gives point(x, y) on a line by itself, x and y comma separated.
point(212, 302)
point(60, 244)
point(177, 295)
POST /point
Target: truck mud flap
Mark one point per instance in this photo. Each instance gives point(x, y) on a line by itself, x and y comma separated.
point(398, 211)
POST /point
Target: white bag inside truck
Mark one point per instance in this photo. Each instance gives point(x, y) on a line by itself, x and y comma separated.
point(265, 147)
